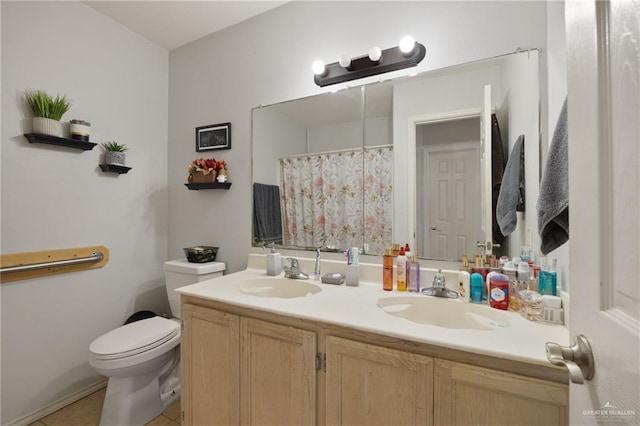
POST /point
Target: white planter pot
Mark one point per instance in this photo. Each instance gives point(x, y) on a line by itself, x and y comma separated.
point(47, 126)
point(114, 157)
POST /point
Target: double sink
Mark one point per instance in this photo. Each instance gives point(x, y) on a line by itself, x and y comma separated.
point(433, 311)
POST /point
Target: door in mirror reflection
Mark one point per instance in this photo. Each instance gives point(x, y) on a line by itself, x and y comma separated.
point(448, 179)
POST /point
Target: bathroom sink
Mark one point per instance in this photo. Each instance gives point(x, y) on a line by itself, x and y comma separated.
point(446, 313)
point(278, 287)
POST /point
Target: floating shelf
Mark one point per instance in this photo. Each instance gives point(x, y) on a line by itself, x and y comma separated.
point(54, 140)
point(113, 168)
point(210, 185)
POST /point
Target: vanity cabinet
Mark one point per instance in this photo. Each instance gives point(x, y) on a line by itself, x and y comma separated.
point(277, 374)
point(467, 394)
point(369, 384)
point(243, 366)
point(238, 370)
point(210, 358)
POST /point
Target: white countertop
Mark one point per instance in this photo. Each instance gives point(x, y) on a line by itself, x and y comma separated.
point(356, 307)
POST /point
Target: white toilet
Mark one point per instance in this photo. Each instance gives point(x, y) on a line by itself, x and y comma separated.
point(142, 358)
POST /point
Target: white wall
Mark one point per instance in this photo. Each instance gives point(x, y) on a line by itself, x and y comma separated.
point(268, 59)
point(54, 197)
point(520, 89)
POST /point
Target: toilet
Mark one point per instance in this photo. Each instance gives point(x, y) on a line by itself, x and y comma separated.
point(142, 358)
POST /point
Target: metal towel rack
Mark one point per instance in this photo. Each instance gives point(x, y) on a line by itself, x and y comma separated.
point(21, 266)
point(95, 257)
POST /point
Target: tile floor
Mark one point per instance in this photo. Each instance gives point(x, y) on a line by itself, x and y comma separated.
point(86, 412)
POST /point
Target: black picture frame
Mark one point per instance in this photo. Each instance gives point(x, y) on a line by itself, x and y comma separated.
point(214, 136)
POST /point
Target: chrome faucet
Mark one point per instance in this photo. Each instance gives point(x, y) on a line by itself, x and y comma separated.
point(438, 288)
point(293, 270)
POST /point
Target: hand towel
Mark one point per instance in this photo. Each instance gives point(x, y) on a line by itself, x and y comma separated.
point(267, 219)
point(511, 194)
point(553, 201)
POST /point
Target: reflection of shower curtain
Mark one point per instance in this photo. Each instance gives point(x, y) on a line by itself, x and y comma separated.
point(323, 196)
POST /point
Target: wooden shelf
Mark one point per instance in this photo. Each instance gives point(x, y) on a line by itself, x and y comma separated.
point(114, 168)
point(54, 140)
point(211, 185)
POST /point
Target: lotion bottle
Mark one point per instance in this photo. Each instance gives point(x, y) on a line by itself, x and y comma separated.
point(387, 269)
point(401, 266)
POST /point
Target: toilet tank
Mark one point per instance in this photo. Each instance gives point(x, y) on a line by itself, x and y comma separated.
point(179, 273)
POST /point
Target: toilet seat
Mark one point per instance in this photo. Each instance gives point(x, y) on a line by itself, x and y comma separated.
point(134, 338)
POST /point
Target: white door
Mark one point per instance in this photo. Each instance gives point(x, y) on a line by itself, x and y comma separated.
point(452, 201)
point(603, 44)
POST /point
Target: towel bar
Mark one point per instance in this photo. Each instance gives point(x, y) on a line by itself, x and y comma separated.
point(95, 257)
point(21, 266)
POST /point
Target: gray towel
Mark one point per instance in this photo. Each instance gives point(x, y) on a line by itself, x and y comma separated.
point(267, 220)
point(511, 196)
point(553, 201)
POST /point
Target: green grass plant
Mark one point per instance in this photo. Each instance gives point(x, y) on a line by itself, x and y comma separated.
point(113, 146)
point(44, 105)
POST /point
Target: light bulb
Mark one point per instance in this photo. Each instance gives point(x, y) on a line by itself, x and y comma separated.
point(345, 61)
point(407, 44)
point(318, 67)
point(375, 54)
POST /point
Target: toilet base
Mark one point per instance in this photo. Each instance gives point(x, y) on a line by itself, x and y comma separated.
point(131, 401)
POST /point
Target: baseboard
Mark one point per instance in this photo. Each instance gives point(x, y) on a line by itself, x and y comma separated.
point(52, 408)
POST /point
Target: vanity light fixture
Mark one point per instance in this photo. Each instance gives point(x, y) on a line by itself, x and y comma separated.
point(408, 54)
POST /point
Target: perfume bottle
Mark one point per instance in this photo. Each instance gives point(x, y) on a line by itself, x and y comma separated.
point(401, 270)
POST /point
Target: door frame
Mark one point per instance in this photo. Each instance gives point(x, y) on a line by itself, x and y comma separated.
point(413, 122)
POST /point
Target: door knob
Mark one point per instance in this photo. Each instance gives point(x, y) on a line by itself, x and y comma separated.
point(434, 228)
point(578, 359)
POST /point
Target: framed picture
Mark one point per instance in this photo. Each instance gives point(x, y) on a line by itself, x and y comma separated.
point(215, 136)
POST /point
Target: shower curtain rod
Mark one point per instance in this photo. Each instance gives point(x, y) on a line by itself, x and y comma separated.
point(336, 151)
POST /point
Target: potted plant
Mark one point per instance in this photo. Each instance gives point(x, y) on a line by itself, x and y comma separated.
point(114, 153)
point(202, 170)
point(47, 111)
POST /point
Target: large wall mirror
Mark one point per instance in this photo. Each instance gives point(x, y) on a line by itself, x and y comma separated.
point(403, 160)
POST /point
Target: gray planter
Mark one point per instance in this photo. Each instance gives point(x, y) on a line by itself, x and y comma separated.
point(114, 157)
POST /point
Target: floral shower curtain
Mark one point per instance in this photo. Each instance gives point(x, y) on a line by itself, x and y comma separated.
point(323, 197)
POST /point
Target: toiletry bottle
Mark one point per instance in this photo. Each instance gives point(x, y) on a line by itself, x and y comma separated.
point(414, 274)
point(274, 262)
point(547, 280)
point(463, 286)
point(316, 266)
point(476, 287)
point(498, 291)
point(480, 268)
point(531, 305)
point(409, 254)
point(401, 266)
point(352, 276)
point(465, 264)
point(387, 270)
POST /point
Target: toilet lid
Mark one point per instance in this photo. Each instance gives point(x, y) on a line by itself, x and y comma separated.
point(134, 338)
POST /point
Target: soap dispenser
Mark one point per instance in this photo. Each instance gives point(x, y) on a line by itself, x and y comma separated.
point(274, 262)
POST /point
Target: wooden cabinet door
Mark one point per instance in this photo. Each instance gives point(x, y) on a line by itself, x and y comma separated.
point(372, 385)
point(278, 374)
point(467, 395)
point(210, 353)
